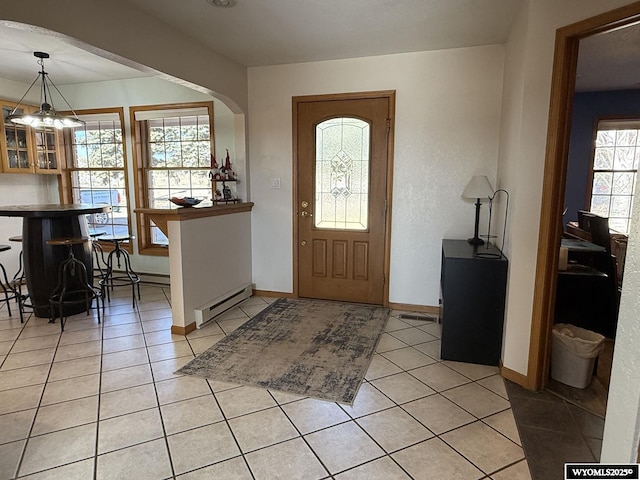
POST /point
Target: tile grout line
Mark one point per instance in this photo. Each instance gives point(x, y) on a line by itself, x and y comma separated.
point(303, 436)
point(155, 390)
point(37, 409)
point(477, 419)
point(224, 419)
point(97, 442)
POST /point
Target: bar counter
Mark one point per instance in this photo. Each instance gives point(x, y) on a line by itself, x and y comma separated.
point(209, 256)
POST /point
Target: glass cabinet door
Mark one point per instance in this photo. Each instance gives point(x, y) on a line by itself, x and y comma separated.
point(16, 142)
point(25, 150)
point(46, 155)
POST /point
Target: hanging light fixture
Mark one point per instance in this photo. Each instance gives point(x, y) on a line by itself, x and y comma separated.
point(47, 116)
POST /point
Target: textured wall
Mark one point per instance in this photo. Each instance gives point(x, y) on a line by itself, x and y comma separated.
point(447, 126)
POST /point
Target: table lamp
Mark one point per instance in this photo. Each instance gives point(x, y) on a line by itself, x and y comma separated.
point(478, 188)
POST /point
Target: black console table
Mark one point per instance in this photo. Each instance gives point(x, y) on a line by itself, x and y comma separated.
point(473, 282)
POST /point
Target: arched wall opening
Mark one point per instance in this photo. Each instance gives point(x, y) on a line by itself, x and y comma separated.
point(138, 85)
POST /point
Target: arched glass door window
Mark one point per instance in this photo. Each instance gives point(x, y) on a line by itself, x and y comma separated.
point(342, 174)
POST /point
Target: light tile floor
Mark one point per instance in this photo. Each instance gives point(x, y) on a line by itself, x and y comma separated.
point(102, 401)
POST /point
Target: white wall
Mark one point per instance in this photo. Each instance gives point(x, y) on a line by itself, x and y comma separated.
point(210, 259)
point(21, 189)
point(621, 433)
point(447, 126)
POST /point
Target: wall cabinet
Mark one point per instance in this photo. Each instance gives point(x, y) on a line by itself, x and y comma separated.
point(473, 282)
point(26, 150)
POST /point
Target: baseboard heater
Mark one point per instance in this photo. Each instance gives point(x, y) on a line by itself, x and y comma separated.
point(221, 304)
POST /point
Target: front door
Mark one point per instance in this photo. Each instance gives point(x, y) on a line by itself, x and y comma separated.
point(342, 152)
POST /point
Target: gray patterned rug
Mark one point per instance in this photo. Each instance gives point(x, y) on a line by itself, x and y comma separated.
point(314, 348)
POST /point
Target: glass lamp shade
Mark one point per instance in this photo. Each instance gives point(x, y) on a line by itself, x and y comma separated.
point(45, 118)
point(478, 187)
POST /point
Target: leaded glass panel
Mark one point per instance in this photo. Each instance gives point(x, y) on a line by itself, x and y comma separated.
point(342, 174)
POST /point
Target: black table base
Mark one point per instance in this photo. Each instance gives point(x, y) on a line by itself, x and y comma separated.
point(40, 257)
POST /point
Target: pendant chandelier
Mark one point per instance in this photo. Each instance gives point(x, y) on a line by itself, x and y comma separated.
point(47, 116)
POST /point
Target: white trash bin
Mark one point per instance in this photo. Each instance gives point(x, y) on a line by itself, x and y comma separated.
point(573, 354)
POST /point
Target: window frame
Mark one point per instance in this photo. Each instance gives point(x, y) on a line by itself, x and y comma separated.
point(65, 185)
point(140, 158)
point(614, 124)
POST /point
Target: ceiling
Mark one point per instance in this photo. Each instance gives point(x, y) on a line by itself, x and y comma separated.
point(272, 32)
point(610, 61)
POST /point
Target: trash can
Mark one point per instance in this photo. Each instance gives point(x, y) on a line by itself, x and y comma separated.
point(573, 354)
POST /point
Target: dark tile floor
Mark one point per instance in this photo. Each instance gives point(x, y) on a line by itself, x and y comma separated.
point(553, 431)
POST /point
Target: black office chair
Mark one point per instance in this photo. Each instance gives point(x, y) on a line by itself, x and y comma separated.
point(599, 228)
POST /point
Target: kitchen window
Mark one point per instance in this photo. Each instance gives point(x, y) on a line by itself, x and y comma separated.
point(96, 170)
point(173, 159)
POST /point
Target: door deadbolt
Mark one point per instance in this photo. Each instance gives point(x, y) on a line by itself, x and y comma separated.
point(303, 243)
point(304, 204)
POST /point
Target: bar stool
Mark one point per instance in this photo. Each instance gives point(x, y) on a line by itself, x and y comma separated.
point(119, 278)
point(8, 288)
point(98, 254)
point(19, 278)
point(19, 275)
point(73, 286)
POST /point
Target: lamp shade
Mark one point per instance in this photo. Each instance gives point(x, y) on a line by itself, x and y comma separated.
point(478, 187)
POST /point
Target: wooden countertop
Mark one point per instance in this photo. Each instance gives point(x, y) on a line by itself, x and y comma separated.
point(161, 216)
point(47, 210)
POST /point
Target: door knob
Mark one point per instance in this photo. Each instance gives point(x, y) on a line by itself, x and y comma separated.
point(303, 243)
point(304, 213)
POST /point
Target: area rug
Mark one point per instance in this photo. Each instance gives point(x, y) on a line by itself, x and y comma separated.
point(314, 348)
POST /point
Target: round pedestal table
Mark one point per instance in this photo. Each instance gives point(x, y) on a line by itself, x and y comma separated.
point(45, 222)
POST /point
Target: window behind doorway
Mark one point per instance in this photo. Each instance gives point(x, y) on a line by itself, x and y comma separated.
point(614, 171)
